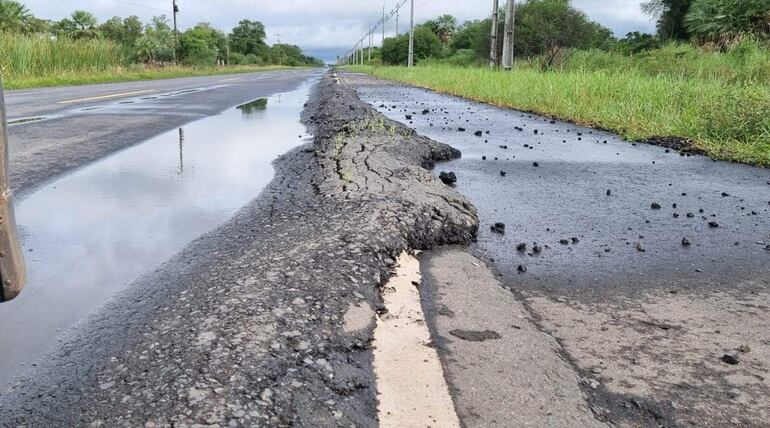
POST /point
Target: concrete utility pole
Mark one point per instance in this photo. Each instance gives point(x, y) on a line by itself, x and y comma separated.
point(493, 39)
point(411, 37)
point(280, 50)
point(371, 42)
point(510, 22)
point(383, 24)
point(175, 8)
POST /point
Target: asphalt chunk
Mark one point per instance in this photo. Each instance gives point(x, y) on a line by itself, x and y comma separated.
point(475, 336)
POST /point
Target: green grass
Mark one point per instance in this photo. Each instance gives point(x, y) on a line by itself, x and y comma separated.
point(31, 61)
point(129, 74)
point(728, 120)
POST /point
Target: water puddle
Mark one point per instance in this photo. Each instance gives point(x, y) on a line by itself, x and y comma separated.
point(93, 232)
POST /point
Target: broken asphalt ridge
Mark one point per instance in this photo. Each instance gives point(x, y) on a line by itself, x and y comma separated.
point(259, 321)
point(649, 266)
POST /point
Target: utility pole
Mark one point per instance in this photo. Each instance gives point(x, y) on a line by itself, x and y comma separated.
point(510, 22)
point(175, 8)
point(371, 42)
point(493, 39)
point(280, 50)
point(227, 50)
point(383, 23)
point(398, 10)
point(411, 37)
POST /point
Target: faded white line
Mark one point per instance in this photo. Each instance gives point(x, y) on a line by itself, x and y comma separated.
point(411, 387)
point(230, 80)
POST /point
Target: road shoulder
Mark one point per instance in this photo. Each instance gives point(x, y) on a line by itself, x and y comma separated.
point(502, 369)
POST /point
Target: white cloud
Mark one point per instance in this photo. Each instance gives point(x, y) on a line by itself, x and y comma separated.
point(315, 24)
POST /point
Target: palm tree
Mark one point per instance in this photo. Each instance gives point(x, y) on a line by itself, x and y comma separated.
point(85, 25)
point(725, 20)
point(446, 26)
point(14, 16)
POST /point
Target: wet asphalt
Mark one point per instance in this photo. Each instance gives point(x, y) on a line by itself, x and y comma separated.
point(580, 206)
point(80, 124)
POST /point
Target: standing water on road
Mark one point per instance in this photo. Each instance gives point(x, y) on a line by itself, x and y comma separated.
point(93, 232)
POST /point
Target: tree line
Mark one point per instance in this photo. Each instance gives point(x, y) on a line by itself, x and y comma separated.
point(547, 30)
point(155, 42)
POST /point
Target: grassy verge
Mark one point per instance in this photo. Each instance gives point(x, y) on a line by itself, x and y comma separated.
point(120, 74)
point(728, 121)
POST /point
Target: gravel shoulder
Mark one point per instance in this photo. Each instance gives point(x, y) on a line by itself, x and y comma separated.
point(247, 324)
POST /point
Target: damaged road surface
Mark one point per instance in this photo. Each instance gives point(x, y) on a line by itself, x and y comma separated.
point(647, 267)
point(263, 321)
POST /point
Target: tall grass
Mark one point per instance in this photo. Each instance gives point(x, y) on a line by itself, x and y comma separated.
point(747, 63)
point(727, 120)
point(30, 56)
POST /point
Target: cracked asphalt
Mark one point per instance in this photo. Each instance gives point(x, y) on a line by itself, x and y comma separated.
point(246, 326)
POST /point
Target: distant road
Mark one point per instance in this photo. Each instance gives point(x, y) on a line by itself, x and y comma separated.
point(54, 130)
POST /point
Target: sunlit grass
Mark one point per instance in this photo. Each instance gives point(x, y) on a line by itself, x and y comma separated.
point(29, 61)
point(729, 121)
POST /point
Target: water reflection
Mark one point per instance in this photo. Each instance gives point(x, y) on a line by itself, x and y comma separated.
point(249, 109)
point(91, 233)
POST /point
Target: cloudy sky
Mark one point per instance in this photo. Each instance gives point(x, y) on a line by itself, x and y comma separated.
point(324, 28)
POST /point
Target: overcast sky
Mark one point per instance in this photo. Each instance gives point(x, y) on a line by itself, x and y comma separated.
point(323, 28)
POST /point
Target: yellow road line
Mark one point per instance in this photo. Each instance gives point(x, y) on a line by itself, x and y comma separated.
point(105, 97)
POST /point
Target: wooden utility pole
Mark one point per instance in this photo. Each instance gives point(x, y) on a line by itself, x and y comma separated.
point(411, 37)
point(175, 8)
point(493, 39)
point(510, 22)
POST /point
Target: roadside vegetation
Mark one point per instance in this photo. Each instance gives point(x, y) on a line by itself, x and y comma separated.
point(703, 79)
point(78, 49)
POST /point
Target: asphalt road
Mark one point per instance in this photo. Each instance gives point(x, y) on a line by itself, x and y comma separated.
point(647, 265)
point(79, 124)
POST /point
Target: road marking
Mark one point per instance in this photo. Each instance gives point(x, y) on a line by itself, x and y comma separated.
point(230, 80)
point(105, 97)
point(411, 388)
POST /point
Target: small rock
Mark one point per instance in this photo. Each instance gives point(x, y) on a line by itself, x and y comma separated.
point(478, 133)
point(564, 241)
point(609, 192)
point(461, 129)
point(535, 164)
point(408, 117)
point(498, 228)
point(522, 268)
point(448, 178)
point(521, 247)
point(713, 224)
point(731, 358)
point(655, 206)
point(503, 173)
point(639, 247)
point(686, 242)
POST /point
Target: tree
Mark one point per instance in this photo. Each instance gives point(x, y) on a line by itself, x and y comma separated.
point(14, 17)
point(80, 25)
point(157, 43)
point(395, 51)
point(249, 38)
point(202, 45)
point(670, 15)
point(725, 20)
point(445, 26)
point(549, 27)
point(124, 31)
point(637, 42)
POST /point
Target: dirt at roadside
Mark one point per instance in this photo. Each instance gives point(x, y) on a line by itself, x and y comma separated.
point(684, 359)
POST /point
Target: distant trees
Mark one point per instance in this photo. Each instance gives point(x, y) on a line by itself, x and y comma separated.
point(155, 42)
point(670, 16)
point(427, 44)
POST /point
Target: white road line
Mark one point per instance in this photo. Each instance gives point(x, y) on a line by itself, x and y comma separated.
point(230, 80)
point(411, 388)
